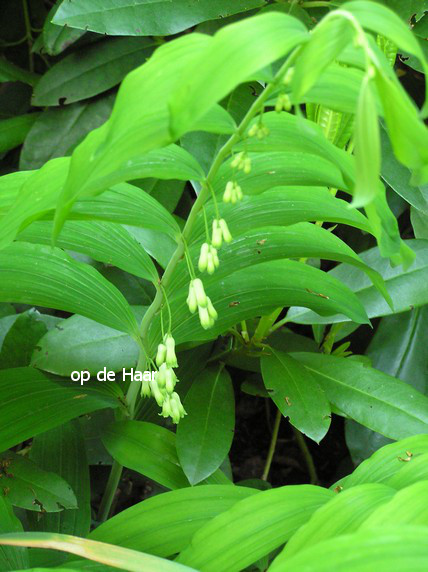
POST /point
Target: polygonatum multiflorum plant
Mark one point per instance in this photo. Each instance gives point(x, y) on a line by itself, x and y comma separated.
point(227, 222)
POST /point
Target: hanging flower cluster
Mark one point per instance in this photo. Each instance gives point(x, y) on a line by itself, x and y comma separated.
point(161, 387)
point(198, 300)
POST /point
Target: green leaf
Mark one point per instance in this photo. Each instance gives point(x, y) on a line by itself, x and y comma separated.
point(404, 356)
point(204, 437)
point(45, 276)
point(328, 39)
point(20, 340)
point(385, 465)
point(409, 506)
point(84, 345)
point(381, 20)
point(252, 528)
point(53, 402)
point(104, 241)
point(358, 552)
point(57, 130)
point(269, 170)
point(30, 196)
point(406, 287)
point(148, 449)
point(374, 399)
point(288, 132)
point(301, 240)
point(243, 294)
point(13, 131)
point(11, 558)
point(142, 18)
point(109, 554)
point(408, 134)
point(91, 70)
point(409, 473)
point(282, 207)
point(342, 515)
point(234, 54)
point(144, 96)
point(33, 488)
point(367, 146)
point(181, 512)
point(398, 177)
point(419, 223)
point(296, 394)
point(56, 39)
point(125, 204)
point(11, 72)
point(62, 451)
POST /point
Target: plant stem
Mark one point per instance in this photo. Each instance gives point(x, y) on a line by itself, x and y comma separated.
point(272, 445)
point(316, 4)
point(132, 394)
point(29, 36)
point(306, 455)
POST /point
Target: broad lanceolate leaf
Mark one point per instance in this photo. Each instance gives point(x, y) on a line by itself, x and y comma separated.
point(45, 276)
point(142, 18)
point(167, 96)
point(20, 340)
point(58, 38)
point(52, 403)
point(238, 50)
point(205, 435)
point(181, 512)
point(11, 72)
point(148, 449)
point(104, 241)
point(109, 554)
point(374, 399)
point(11, 558)
point(409, 506)
point(342, 515)
point(282, 207)
point(407, 288)
point(255, 291)
point(296, 394)
point(31, 487)
point(252, 528)
point(301, 240)
point(386, 464)
point(358, 552)
point(398, 348)
point(57, 130)
point(14, 130)
point(84, 345)
point(62, 451)
point(91, 70)
point(398, 178)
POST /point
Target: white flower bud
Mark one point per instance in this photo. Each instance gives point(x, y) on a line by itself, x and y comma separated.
point(203, 257)
point(288, 76)
point(161, 354)
point(171, 358)
point(224, 230)
point(216, 238)
point(210, 264)
point(253, 130)
point(247, 165)
point(177, 408)
point(228, 192)
point(237, 161)
point(191, 299)
point(205, 319)
point(145, 388)
point(166, 407)
point(201, 297)
point(161, 376)
point(212, 311)
point(215, 256)
point(157, 393)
